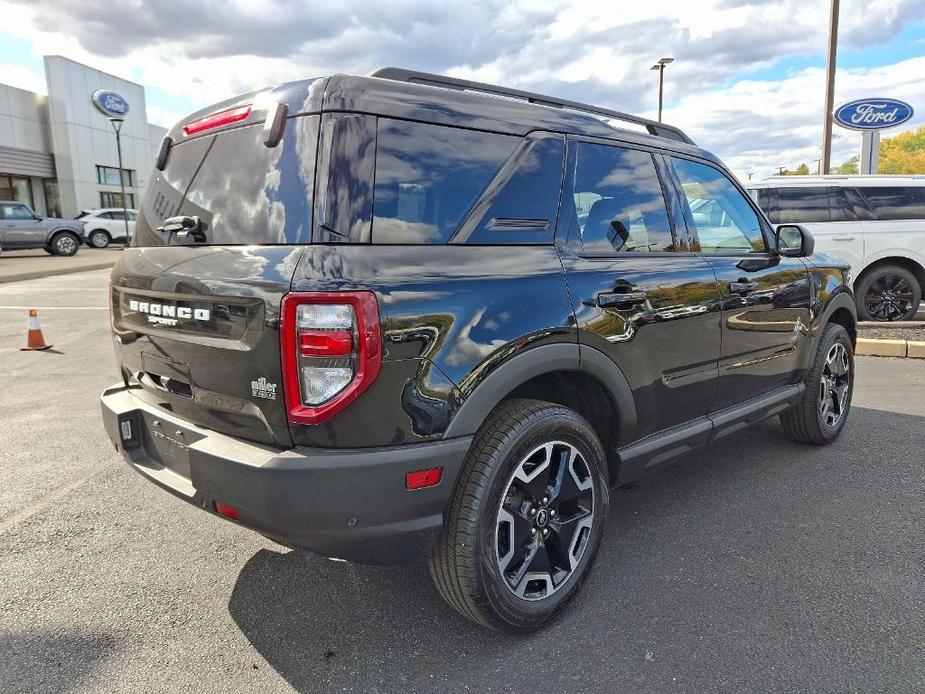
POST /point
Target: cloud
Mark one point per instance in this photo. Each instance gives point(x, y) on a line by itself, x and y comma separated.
point(758, 126)
point(202, 52)
point(22, 78)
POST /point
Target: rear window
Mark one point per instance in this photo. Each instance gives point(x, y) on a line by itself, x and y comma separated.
point(907, 202)
point(429, 176)
point(245, 193)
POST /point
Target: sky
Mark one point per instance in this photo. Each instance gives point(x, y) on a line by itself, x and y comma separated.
point(747, 82)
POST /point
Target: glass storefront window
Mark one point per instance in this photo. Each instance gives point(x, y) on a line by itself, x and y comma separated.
point(52, 198)
point(16, 188)
point(108, 199)
point(109, 175)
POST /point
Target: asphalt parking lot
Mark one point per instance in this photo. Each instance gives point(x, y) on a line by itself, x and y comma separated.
point(759, 565)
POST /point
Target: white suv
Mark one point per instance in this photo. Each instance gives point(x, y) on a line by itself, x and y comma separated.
point(102, 227)
point(875, 223)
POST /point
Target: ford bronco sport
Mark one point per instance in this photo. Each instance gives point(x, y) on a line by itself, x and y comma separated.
point(379, 316)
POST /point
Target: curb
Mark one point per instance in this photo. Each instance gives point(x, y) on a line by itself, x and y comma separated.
point(866, 347)
point(892, 324)
point(38, 274)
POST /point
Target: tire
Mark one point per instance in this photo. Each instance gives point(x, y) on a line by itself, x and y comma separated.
point(811, 421)
point(552, 451)
point(99, 238)
point(888, 293)
point(64, 243)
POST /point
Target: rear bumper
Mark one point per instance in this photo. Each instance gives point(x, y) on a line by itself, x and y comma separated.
point(346, 503)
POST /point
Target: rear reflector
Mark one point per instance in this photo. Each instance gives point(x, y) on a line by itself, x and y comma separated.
point(419, 479)
point(227, 510)
point(217, 120)
point(325, 343)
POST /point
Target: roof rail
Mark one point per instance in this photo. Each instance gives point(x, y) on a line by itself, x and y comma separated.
point(402, 75)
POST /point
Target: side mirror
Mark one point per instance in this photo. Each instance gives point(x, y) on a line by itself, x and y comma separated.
point(37, 218)
point(793, 241)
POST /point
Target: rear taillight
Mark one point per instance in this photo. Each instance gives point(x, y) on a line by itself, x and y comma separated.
point(331, 351)
point(217, 120)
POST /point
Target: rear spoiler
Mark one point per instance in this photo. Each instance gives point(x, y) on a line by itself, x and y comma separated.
point(274, 125)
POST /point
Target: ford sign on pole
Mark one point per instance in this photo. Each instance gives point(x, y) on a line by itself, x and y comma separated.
point(871, 116)
point(109, 103)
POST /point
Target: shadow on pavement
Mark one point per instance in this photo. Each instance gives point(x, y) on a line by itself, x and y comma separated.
point(34, 662)
point(756, 565)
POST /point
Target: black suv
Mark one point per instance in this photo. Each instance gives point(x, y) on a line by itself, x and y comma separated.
point(400, 313)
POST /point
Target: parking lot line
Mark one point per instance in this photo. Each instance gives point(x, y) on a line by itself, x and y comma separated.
point(56, 308)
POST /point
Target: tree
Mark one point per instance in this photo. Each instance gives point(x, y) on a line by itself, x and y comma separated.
point(904, 153)
point(848, 167)
point(801, 170)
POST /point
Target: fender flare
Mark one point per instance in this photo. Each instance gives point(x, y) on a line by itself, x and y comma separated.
point(843, 299)
point(58, 230)
point(535, 362)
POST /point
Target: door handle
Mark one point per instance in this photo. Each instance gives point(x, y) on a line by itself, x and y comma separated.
point(742, 287)
point(843, 237)
point(611, 299)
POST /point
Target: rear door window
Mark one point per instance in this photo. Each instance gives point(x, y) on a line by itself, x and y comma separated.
point(618, 201)
point(803, 205)
point(429, 176)
point(906, 202)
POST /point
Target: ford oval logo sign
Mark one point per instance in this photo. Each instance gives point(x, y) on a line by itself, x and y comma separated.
point(873, 114)
point(109, 103)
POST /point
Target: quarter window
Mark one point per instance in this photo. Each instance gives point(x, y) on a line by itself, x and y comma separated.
point(618, 201)
point(896, 202)
point(723, 219)
point(429, 176)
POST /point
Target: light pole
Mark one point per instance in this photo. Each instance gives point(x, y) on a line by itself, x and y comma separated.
point(117, 126)
point(830, 90)
point(660, 66)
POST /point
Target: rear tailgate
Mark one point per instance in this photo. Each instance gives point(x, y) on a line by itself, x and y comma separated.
point(197, 322)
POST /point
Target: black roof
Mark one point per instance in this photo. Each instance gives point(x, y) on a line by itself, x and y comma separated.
point(397, 93)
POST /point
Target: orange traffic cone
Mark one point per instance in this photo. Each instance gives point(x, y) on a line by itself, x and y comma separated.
point(35, 340)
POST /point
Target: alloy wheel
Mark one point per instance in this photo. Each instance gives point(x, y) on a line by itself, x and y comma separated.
point(99, 239)
point(544, 521)
point(834, 385)
point(889, 297)
point(65, 245)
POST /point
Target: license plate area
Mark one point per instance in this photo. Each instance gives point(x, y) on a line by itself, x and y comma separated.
point(167, 444)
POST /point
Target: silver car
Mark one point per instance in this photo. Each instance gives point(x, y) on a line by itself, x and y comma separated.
point(21, 227)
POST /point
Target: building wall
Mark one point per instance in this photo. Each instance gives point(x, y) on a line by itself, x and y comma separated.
point(23, 120)
point(82, 137)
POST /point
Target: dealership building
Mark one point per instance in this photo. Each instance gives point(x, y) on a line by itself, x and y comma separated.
point(58, 151)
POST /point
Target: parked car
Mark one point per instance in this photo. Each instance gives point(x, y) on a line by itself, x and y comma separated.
point(104, 226)
point(21, 228)
point(875, 223)
point(381, 316)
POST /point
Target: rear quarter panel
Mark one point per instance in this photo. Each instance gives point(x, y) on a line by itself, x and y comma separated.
point(450, 315)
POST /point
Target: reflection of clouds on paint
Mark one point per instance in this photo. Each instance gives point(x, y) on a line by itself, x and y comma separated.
point(465, 350)
point(496, 322)
point(387, 298)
